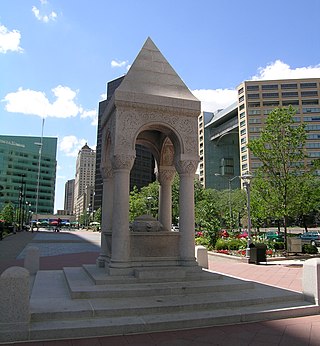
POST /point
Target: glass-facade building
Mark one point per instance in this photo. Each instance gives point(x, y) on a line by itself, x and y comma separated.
point(27, 172)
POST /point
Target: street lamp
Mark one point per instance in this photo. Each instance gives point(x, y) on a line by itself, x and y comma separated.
point(246, 178)
point(149, 199)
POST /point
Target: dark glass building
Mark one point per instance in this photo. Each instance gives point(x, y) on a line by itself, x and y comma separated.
point(142, 172)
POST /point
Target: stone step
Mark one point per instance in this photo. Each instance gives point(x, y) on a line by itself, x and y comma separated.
point(55, 302)
point(124, 325)
point(81, 286)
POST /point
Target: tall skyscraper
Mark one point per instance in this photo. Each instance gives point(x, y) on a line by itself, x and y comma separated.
point(69, 196)
point(27, 177)
point(84, 180)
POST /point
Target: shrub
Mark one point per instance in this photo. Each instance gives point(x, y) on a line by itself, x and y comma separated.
point(309, 249)
point(221, 244)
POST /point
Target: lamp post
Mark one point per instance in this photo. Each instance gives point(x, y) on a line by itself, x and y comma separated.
point(246, 178)
point(149, 199)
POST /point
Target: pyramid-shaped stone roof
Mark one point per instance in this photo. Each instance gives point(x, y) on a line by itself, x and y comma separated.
point(151, 74)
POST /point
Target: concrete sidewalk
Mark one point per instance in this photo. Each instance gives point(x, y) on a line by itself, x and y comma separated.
point(77, 247)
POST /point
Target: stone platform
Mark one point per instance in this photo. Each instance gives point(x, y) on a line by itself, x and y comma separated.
point(83, 302)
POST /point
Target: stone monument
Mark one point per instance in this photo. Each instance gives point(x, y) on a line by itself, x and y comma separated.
point(152, 106)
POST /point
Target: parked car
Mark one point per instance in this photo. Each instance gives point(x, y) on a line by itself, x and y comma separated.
point(312, 238)
point(275, 236)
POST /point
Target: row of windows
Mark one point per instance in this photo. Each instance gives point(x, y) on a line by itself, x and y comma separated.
point(283, 86)
point(285, 94)
point(275, 103)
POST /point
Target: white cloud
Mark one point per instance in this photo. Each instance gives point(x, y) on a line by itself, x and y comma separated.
point(28, 101)
point(9, 40)
point(70, 145)
point(281, 70)
point(44, 17)
point(214, 99)
point(92, 115)
point(115, 63)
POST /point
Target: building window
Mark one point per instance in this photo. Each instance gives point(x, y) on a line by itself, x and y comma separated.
point(253, 96)
point(309, 93)
point(270, 87)
point(242, 123)
point(243, 140)
point(242, 115)
point(241, 107)
point(241, 99)
point(252, 87)
point(289, 86)
point(270, 103)
point(310, 110)
point(240, 91)
point(308, 119)
point(253, 104)
point(310, 102)
point(254, 112)
point(308, 85)
point(254, 121)
point(244, 167)
point(243, 149)
point(270, 95)
point(244, 157)
point(290, 103)
point(243, 132)
point(289, 94)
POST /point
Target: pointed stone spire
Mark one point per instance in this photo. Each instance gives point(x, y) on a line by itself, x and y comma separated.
point(151, 74)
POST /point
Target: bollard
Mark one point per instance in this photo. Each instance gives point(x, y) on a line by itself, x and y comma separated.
point(32, 260)
point(202, 256)
point(14, 304)
point(311, 280)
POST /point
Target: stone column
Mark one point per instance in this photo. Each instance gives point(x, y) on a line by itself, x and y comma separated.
point(106, 215)
point(186, 170)
point(120, 256)
point(165, 178)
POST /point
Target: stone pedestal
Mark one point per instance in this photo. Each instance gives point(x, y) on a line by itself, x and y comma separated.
point(311, 280)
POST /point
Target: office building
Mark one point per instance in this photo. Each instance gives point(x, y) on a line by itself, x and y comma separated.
point(224, 153)
point(28, 174)
point(84, 179)
point(142, 172)
point(256, 99)
point(69, 196)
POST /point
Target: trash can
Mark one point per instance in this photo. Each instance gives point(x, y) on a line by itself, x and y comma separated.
point(258, 253)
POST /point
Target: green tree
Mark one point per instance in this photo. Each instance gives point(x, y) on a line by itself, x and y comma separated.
point(281, 150)
point(7, 213)
point(97, 216)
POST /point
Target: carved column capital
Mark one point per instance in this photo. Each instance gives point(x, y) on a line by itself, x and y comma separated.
point(186, 166)
point(122, 161)
point(106, 172)
point(166, 175)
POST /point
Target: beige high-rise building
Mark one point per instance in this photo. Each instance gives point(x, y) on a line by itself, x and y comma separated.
point(256, 99)
point(69, 197)
point(84, 180)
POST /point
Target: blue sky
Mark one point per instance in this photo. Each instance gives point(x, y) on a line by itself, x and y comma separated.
point(56, 56)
